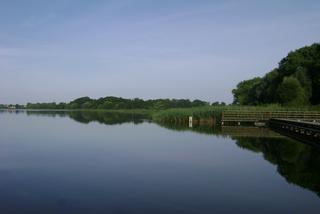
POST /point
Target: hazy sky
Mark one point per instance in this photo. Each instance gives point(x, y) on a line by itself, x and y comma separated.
point(57, 50)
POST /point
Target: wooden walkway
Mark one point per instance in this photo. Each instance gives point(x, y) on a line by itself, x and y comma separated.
point(307, 131)
point(264, 116)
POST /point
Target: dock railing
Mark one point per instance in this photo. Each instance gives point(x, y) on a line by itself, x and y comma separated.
point(263, 116)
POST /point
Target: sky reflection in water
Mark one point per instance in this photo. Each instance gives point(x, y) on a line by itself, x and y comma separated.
point(121, 163)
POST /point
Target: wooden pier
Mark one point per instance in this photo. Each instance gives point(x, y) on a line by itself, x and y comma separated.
point(302, 125)
point(239, 117)
point(302, 130)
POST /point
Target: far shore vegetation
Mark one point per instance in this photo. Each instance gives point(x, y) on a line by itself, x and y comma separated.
point(293, 85)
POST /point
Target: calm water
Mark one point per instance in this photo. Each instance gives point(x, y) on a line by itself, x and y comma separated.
point(113, 163)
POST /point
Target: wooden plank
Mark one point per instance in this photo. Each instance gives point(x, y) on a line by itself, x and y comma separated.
point(234, 115)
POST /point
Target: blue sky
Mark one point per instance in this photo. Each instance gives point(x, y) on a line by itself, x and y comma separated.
point(58, 50)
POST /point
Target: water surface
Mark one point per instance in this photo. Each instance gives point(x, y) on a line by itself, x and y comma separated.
point(95, 162)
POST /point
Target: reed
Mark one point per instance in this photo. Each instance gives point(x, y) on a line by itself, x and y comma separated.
point(207, 112)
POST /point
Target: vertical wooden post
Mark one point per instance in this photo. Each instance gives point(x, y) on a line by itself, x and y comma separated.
point(190, 121)
point(222, 118)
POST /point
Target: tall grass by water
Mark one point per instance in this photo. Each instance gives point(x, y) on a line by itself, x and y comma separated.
point(208, 112)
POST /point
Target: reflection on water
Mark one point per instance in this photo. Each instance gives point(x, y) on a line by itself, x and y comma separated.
point(298, 163)
point(136, 168)
point(109, 118)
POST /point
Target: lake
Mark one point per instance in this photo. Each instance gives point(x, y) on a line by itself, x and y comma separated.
point(98, 162)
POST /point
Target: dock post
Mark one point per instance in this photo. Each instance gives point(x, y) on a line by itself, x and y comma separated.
point(190, 121)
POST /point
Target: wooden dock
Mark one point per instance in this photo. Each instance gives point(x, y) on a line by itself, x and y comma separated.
point(302, 130)
point(238, 117)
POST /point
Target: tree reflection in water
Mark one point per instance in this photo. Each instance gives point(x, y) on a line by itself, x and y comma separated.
point(104, 117)
point(297, 162)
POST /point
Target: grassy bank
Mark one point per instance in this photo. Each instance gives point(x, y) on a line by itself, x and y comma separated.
point(180, 115)
point(208, 112)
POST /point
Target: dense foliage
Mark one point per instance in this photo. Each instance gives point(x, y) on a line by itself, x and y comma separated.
point(120, 103)
point(296, 81)
point(11, 106)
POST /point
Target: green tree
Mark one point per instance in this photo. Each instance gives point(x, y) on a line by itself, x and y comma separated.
point(305, 81)
point(291, 92)
point(87, 105)
point(241, 93)
point(302, 64)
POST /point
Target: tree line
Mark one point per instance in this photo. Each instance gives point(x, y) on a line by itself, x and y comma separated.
point(295, 82)
point(111, 102)
point(11, 106)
